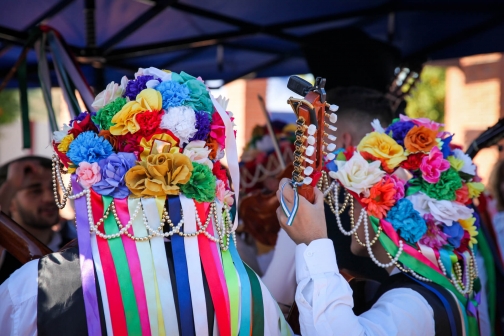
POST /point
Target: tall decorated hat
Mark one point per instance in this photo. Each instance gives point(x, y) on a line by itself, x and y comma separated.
point(152, 203)
point(417, 190)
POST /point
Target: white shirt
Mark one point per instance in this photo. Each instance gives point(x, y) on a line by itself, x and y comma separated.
point(325, 301)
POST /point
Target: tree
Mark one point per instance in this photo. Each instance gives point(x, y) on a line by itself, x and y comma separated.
point(428, 97)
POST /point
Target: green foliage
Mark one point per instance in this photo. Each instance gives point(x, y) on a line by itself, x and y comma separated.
point(9, 106)
point(428, 98)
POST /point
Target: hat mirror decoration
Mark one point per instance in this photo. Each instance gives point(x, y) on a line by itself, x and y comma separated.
point(152, 202)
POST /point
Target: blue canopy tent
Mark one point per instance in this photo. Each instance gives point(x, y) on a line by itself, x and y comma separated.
point(230, 39)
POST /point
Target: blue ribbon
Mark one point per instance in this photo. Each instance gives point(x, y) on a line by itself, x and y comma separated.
point(246, 300)
point(181, 273)
point(290, 213)
point(446, 260)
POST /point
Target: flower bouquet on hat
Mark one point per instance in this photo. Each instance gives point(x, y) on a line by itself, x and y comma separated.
point(417, 193)
point(152, 201)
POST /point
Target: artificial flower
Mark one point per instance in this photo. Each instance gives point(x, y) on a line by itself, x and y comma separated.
point(383, 147)
point(202, 126)
point(381, 198)
point(162, 75)
point(398, 130)
point(384, 165)
point(462, 195)
point(445, 188)
point(81, 116)
point(89, 147)
point(424, 122)
point(124, 120)
point(137, 85)
point(199, 99)
point(377, 127)
point(407, 221)
point(159, 175)
point(433, 165)
point(181, 121)
point(434, 237)
point(469, 226)
point(149, 122)
point(88, 174)
point(455, 233)
point(128, 143)
point(455, 163)
point(475, 189)
point(220, 172)
point(443, 211)
point(420, 139)
point(357, 174)
point(218, 130)
point(201, 186)
point(223, 194)
point(174, 94)
point(110, 138)
point(64, 145)
point(103, 117)
point(59, 135)
point(113, 170)
point(468, 167)
point(223, 102)
point(446, 147)
point(413, 161)
point(198, 152)
point(220, 154)
point(111, 93)
point(83, 125)
point(161, 140)
point(398, 186)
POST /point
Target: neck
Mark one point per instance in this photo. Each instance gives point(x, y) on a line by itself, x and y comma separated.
point(42, 234)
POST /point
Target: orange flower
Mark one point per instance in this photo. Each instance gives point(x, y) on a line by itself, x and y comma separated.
point(420, 139)
point(110, 138)
point(381, 198)
point(212, 144)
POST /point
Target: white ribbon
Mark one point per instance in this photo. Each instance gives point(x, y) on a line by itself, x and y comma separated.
point(162, 271)
point(198, 298)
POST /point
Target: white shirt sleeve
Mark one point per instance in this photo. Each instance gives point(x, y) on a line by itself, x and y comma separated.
point(18, 302)
point(325, 301)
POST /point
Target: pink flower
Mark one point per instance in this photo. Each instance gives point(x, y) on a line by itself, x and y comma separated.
point(434, 237)
point(462, 194)
point(398, 186)
point(88, 174)
point(433, 165)
point(426, 122)
point(218, 130)
point(223, 194)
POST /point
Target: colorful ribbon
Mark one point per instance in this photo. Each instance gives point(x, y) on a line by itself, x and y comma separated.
point(257, 304)
point(246, 303)
point(290, 213)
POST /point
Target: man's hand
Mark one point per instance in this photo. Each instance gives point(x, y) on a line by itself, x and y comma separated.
point(309, 223)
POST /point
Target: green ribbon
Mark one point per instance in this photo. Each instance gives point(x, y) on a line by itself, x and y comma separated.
point(257, 304)
point(489, 262)
point(23, 99)
point(233, 289)
point(123, 272)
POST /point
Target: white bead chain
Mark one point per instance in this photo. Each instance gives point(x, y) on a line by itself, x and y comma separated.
point(362, 217)
point(56, 177)
point(370, 251)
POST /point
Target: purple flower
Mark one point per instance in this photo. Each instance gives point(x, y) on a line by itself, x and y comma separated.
point(455, 234)
point(113, 170)
point(82, 116)
point(202, 125)
point(136, 85)
point(398, 130)
point(434, 237)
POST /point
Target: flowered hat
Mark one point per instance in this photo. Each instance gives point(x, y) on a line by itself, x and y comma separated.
point(152, 203)
point(417, 190)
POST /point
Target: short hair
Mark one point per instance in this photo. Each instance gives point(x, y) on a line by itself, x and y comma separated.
point(359, 106)
point(43, 161)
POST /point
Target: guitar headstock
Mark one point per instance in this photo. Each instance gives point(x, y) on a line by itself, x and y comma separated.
point(314, 117)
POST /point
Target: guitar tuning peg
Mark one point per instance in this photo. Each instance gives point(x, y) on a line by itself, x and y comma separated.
point(333, 108)
point(311, 140)
point(331, 127)
point(310, 150)
point(312, 129)
point(331, 137)
point(307, 180)
point(308, 170)
point(308, 160)
point(331, 147)
point(331, 156)
point(333, 118)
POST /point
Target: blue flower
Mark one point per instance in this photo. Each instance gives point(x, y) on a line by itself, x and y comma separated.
point(174, 94)
point(202, 125)
point(81, 117)
point(135, 86)
point(455, 233)
point(407, 221)
point(446, 150)
point(89, 147)
point(398, 130)
point(113, 170)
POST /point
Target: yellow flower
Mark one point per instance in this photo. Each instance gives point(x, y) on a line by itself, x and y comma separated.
point(382, 147)
point(455, 163)
point(164, 138)
point(475, 189)
point(125, 122)
point(468, 225)
point(65, 143)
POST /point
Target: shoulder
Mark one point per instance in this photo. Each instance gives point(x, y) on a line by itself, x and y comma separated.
point(22, 285)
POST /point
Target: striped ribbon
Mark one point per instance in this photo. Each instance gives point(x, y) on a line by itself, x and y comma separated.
point(246, 303)
point(290, 213)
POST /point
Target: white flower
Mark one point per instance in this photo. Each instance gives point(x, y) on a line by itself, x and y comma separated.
point(111, 92)
point(357, 174)
point(443, 211)
point(180, 120)
point(198, 152)
point(223, 101)
point(59, 135)
point(162, 75)
point(469, 167)
point(377, 126)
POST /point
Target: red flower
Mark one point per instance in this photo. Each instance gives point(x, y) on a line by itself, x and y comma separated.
point(220, 172)
point(381, 198)
point(128, 143)
point(149, 122)
point(413, 161)
point(462, 195)
point(370, 157)
point(349, 152)
point(83, 126)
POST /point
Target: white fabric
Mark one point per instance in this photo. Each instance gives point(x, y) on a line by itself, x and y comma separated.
point(484, 316)
point(282, 289)
point(325, 302)
point(18, 302)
